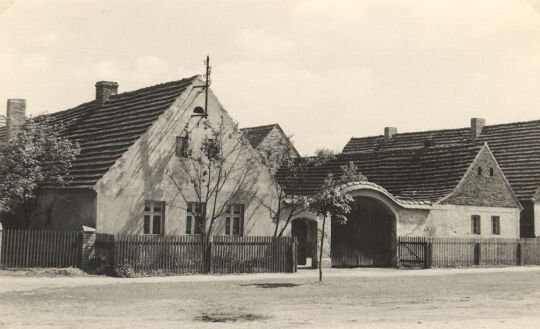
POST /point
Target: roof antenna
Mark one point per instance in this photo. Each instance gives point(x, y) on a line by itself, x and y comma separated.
point(199, 111)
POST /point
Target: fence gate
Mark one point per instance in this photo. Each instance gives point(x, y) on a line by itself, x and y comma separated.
point(414, 252)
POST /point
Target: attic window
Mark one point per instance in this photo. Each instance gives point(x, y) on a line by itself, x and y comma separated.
point(491, 171)
point(479, 171)
point(182, 146)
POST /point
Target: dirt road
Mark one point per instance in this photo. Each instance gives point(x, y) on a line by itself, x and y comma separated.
point(364, 298)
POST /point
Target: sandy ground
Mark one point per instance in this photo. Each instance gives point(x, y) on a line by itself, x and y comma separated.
point(348, 298)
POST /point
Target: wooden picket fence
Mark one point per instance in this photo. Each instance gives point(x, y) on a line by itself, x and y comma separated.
point(183, 254)
point(465, 252)
point(39, 248)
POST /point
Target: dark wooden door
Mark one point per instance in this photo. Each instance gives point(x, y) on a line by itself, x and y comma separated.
point(300, 230)
point(366, 238)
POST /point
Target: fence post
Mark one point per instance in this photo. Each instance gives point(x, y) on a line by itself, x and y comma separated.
point(519, 254)
point(427, 254)
point(477, 253)
point(88, 246)
point(294, 260)
point(1, 243)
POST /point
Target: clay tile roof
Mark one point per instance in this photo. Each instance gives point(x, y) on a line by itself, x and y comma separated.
point(257, 134)
point(105, 133)
point(2, 134)
point(421, 175)
point(516, 147)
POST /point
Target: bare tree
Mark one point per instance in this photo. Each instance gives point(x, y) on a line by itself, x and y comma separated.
point(214, 172)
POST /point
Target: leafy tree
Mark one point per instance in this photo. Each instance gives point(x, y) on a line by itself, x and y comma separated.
point(329, 203)
point(38, 156)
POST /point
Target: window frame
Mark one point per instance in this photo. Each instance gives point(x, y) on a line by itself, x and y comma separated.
point(496, 225)
point(230, 217)
point(181, 147)
point(476, 224)
point(192, 218)
point(151, 213)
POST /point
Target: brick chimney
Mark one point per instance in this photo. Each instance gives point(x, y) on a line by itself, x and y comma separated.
point(15, 116)
point(389, 132)
point(476, 127)
point(104, 90)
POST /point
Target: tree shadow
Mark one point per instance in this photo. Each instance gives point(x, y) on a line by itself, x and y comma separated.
point(272, 285)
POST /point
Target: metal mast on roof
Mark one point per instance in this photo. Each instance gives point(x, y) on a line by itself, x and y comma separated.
point(199, 111)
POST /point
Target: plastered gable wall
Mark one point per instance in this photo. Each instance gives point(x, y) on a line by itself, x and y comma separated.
point(482, 189)
point(140, 175)
point(273, 141)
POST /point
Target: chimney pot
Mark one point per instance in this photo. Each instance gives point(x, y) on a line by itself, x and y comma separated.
point(389, 132)
point(15, 116)
point(476, 127)
point(104, 90)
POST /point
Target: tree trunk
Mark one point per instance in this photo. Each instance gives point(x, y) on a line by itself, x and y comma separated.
point(321, 249)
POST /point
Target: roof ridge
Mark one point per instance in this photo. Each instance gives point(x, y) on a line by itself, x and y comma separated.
point(450, 129)
point(259, 127)
point(467, 145)
point(163, 84)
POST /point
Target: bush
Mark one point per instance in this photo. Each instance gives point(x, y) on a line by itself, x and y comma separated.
point(98, 265)
point(125, 271)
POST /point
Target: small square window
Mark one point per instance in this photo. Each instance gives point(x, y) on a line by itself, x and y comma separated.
point(234, 221)
point(196, 212)
point(475, 224)
point(154, 214)
point(495, 225)
point(182, 146)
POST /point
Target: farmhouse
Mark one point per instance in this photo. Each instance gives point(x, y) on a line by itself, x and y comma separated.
point(434, 191)
point(516, 146)
point(132, 143)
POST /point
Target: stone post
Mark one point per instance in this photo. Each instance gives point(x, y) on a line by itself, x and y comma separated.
point(88, 246)
point(326, 260)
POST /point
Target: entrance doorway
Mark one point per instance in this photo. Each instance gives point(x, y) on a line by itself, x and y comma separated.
point(305, 231)
point(367, 239)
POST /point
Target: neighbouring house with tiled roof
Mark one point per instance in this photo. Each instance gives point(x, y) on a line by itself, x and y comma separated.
point(431, 191)
point(269, 138)
point(516, 146)
point(128, 142)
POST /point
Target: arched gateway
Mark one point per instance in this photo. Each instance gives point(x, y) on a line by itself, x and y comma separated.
point(368, 238)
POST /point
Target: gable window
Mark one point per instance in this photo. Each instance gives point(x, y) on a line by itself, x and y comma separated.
point(495, 225)
point(234, 220)
point(479, 171)
point(182, 146)
point(154, 214)
point(491, 171)
point(196, 211)
point(475, 224)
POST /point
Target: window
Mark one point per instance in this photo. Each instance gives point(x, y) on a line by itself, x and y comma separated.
point(491, 172)
point(475, 224)
point(495, 225)
point(479, 171)
point(234, 219)
point(196, 211)
point(182, 146)
point(154, 213)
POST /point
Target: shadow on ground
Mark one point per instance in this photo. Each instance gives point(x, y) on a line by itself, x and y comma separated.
point(272, 285)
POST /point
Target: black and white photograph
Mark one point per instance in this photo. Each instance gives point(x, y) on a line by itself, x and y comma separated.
point(269, 164)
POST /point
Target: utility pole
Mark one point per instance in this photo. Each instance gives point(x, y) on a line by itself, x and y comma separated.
point(199, 111)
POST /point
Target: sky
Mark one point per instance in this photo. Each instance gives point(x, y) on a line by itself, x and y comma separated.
point(325, 70)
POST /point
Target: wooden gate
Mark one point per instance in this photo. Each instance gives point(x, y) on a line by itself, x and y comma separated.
point(368, 237)
point(413, 252)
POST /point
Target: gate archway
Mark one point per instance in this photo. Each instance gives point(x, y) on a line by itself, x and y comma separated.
point(368, 237)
